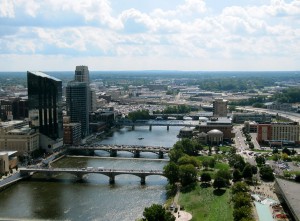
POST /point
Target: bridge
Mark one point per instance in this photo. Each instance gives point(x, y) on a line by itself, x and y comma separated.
point(80, 173)
point(151, 123)
point(113, 149)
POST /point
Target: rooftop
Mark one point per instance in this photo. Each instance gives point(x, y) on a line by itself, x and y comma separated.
point(10, 123)
point(291, 192)
point(41, 74)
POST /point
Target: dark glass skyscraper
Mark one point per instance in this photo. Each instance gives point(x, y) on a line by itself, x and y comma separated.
point(45, 104)
point(78, 104)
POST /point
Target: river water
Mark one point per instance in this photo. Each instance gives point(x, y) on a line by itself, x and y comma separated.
point(66, 198)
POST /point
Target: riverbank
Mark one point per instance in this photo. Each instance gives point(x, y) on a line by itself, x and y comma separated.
point(119, 158)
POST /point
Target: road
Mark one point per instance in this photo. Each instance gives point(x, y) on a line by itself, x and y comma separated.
point(241, 146)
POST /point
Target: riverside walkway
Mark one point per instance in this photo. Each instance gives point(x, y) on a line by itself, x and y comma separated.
point(80, 172)
point(113, 149)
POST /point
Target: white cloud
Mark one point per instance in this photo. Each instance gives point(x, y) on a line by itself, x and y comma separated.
point(187, 31)
point(7, 9)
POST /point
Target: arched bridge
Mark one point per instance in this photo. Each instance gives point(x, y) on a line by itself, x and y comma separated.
point(113, 149)
point(151, 123)
point(111, 173)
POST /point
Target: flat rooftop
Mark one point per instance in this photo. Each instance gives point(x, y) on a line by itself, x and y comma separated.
point(292, 194)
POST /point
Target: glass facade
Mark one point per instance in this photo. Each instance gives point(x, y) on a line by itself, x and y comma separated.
point(78, 104)
point(45, 104)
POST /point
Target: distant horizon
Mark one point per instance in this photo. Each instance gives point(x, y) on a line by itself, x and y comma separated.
point(200, 71)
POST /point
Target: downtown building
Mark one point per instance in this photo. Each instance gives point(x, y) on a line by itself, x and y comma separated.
point(45, 108)
point(78, 99)
point(220, 108)
point(279, 133)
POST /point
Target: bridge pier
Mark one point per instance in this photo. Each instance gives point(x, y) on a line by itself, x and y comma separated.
point(150, 128)
point(113, 153)
point(111, 179)
point(137, 153)
point(168, 127)
point(133, 127)
point(143, 180)
point(161, 155)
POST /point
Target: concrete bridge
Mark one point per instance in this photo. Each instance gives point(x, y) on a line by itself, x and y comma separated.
point(80, 172)
point(113, 149)
point(151, 123)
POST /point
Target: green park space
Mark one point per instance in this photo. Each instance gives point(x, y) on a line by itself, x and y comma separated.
point(208, 204)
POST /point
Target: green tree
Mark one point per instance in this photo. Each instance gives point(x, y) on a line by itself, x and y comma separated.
point(241, 199)
point(175, 154)
point(240, 187)
point(205, 177)
point(275, 150)
point(297, 178)
point(187, 174)
point(225, 174)
point(205, 164)
point(188, 160)
point(171, 171)
point(254, 169)
point(247, 172)
point(287, 151)
point(242, 213)
point(211, 162)
point(139, 115)
point(219, 183)
point(266, 173)
point(260, 160)
point(237, 175)
point(156, 212)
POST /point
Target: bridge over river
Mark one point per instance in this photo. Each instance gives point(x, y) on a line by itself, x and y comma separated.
point(81, 172)
point(113, 149)
point(151, 123)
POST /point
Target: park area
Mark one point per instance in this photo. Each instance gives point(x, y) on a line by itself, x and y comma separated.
point(208, 204)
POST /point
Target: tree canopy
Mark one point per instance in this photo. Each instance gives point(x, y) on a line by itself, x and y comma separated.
point(156, 212)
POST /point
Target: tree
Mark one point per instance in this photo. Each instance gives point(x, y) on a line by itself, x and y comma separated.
point(240, 187)
point(260, 160)
point(188, 160)
point(266, 173)
point(297, 178)
point(211, 162)
point(247, 172)
point(171, 171)
point(251, 145)
point(241, 213)
point(205, 164)
point(205, 177)
point(157, 212)
point(254, 169)
point(287, 151)
point(275, 150)
point(237, 175)
point(219, 183)
point(225, 174)
point(175, 154)
point(187, 174)
point(241, 199)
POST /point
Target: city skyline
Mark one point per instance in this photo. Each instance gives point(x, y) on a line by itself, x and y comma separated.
point(151, 35)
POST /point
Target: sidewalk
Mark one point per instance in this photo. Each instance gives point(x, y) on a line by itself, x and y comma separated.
point(180, 215)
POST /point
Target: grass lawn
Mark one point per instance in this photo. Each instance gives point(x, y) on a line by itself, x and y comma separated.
point(207, 205)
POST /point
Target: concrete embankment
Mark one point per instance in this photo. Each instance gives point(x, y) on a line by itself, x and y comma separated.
point(9, 181)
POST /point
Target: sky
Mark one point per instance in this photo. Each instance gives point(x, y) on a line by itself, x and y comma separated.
point(202, 35)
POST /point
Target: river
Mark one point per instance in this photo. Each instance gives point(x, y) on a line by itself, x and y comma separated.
point(65, 198)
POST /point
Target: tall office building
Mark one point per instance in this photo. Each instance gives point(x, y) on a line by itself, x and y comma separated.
point(220, 108)
point(45, 104)
point(82, 74)
point(78, 104)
